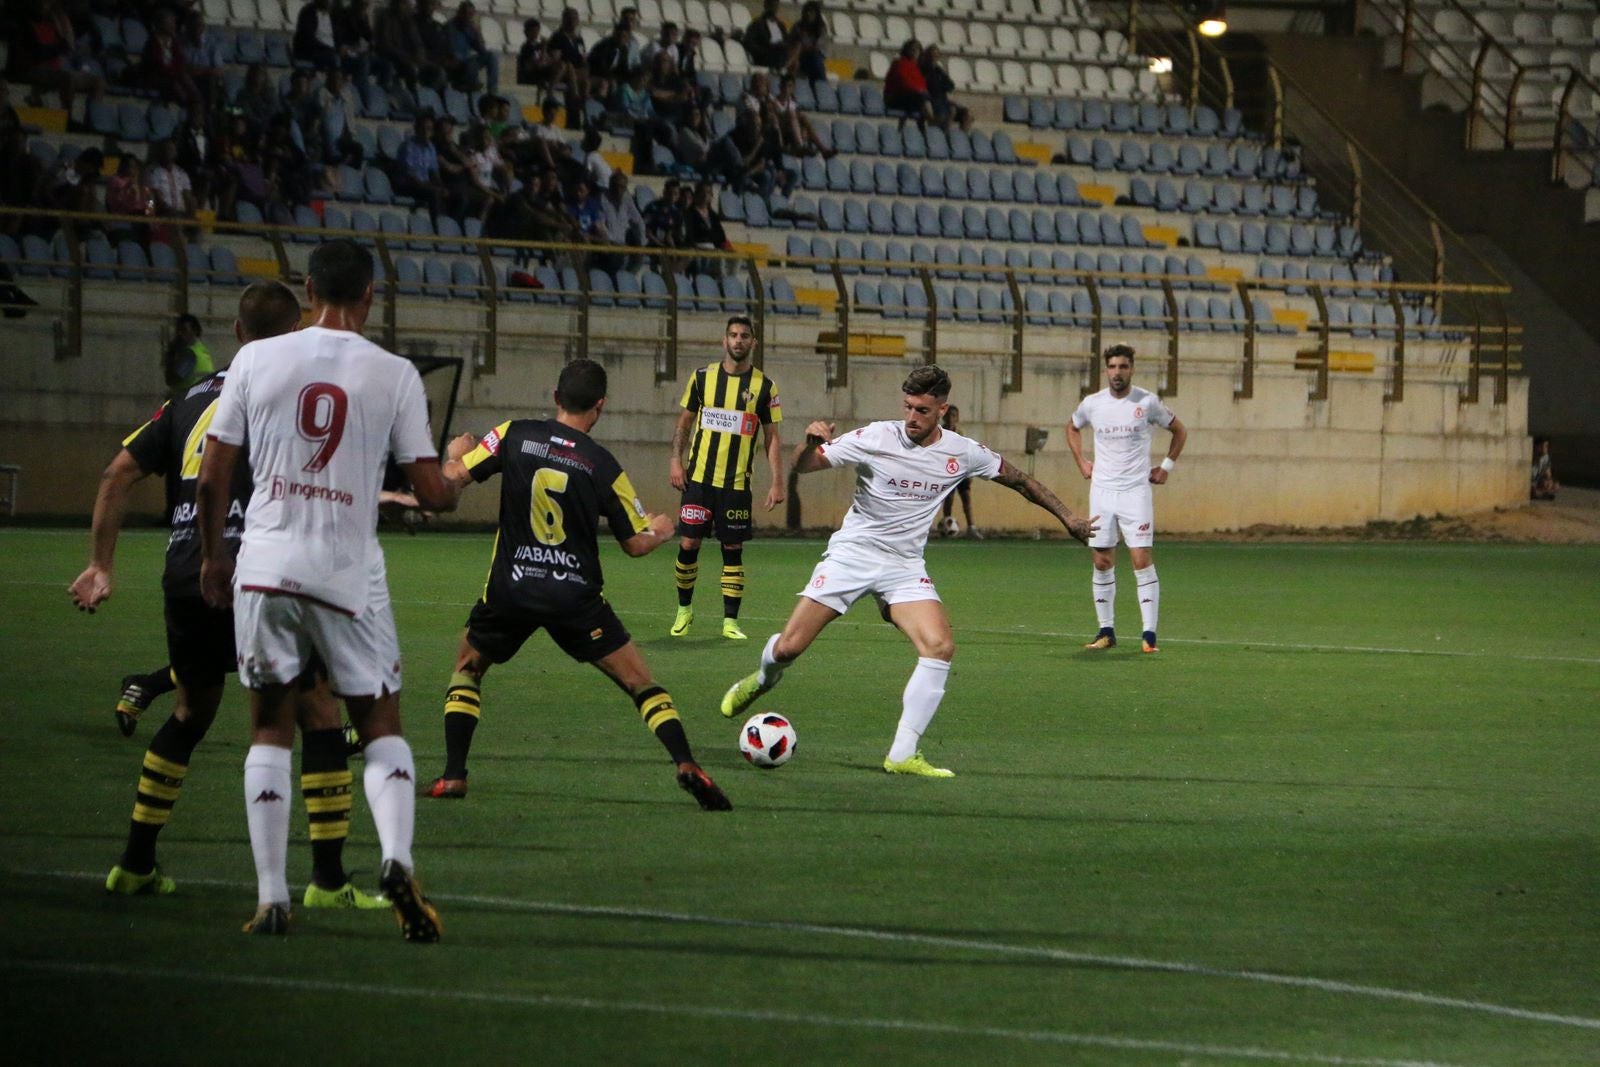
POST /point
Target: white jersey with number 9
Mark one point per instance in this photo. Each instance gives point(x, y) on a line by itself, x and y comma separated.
point(321, 411)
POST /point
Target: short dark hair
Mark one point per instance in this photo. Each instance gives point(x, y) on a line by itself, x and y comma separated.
point(188, 320)
point(930, 380)
point(267, 309)
point(581, 386)
point(1117, 350)
point(340, 272)
point(740, 320)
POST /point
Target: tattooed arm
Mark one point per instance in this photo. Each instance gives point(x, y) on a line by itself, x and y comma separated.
point(1031, 489)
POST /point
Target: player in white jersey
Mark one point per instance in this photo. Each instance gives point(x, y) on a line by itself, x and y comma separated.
point(904, 470)
point(321, 409)
point(1119, 488)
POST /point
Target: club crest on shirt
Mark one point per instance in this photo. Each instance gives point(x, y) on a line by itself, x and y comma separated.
point(1138, 413)
point(951, 466)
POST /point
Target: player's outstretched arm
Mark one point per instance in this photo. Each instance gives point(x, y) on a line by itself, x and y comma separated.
point(680, 438)
point(807, 458)
point(1031, 489)
point(93, 587)
point(661, 530)
point(436, 486)
point(211, 499)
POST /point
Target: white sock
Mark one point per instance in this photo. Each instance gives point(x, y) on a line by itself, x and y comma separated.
point(267, 792)
point(1105, 598)
point(918, 705)
point(771, 669)
point(390, 782)
point(1149, 597)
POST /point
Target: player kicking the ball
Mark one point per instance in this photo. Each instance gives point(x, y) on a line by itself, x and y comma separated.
point(1119, 488)
point(903, 471)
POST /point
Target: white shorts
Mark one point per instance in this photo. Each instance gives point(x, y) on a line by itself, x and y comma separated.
point(841, 579)
point(281, 636)
point(1130, 511)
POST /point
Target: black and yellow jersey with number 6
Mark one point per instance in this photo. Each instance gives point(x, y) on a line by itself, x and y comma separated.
point(556, 484)
point(171, 444)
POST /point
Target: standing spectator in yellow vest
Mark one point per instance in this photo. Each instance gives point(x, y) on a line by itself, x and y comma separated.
point(723, 403)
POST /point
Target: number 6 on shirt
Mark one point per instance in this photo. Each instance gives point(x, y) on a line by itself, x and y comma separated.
point(323, 407)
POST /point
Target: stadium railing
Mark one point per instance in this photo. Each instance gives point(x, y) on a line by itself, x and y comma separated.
point(574, 316)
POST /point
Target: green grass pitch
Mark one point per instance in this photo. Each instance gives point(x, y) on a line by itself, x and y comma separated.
point(1348, 815)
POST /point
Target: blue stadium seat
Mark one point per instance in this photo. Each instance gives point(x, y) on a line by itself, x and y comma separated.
point(896, 252)
point(938, 143)
point(964, 303)
point(1067, 226)
point(132, 262)
point(1230, 237)
point(1122, 117)
point(1043, 224)
point(395, 227)
point(982, 147)
point(163, 262)
point(1175, 120)
point(821, 248)
point(884, 182)
point(866, 135)
point(363, 221)
point(1131, 156)
point(1189, 160)
point(907, 180)
point(1161, 159)
point(1252, 238)
point(879, 218)
point(946, 258)
point(1103, 156)
point(1080, 150)
point(927, 221)
point(903, 219)
point(1246, 160)
point(978, 187)
point(955, 183)
point(1002, 186)
point(755, 212)
point(846, 248)
point(1095, 115)
point(1196, 196)
point(1204, 234)
point(1069, 114)
point(972, 224)
point(1300, 240)
point(1292, 272)
point(872, 249)
point(1280, 202)
point(1225, 198)
point(829, 214)
point(1217, 164)
point(1194, 313)
point(797, 245)
point(838, 175)
point(996, 224)
point(889, 141)
point(224, 266)
point(913, 143)
point(971, 260)
point(849, 98)
point(991, 304)
point(860, 176)
point(1038, 113)
point(1150, 118)
point(872, 101)
point(950, 221)
point(1088, 228)
point(1205, 122)
point(814, 173)
point(247, 214)
point(922, 254)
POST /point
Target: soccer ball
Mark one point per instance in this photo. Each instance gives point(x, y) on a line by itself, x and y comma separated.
point(951, 527)
point(767, 740)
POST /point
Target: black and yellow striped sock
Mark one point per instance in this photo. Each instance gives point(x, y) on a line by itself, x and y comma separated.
point(660, 714)
point(166, 763)
point(685, 572)
point(462, 707)
point(325, 785)
point(732, 580)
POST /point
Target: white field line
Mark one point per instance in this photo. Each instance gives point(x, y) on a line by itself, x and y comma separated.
point(993, 948)
point(434, 994)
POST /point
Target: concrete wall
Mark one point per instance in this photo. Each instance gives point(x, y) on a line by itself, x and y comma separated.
point(1276, 458)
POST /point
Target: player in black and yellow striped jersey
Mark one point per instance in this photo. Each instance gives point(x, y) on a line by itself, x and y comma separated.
point(200, 638)
point(723, 404)
point(556, 483)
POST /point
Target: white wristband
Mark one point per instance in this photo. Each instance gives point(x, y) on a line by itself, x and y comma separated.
point(1167, 464)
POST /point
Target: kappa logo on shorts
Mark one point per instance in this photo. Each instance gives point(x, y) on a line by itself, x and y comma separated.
point(951, 466)
point(596, 634)
point(1144, 527)
point(924, 581)
point(694, 514)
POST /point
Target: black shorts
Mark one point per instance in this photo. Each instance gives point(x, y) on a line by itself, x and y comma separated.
point(199, 641)
point(587, 631)
point(705, 510)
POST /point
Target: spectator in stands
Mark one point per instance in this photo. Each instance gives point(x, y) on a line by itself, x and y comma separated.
point(338, 105)
point(937, 78)
point(1544, 484)
point(170, 182)
point(757, 92)
point(596, 168)
point(662, 219)
point(72, 187)
point(305, 110)
point(491, 178)
point(689, 56)
point(702, 229)
point(905, 89)
point(399, 42)
point(635, 107)
point(465, 197)
point(608, 61)
point(164, 65)
point(535, 64)
point(620, 221)
point(21, 175)
point(765, 38)
point(566, 44)
point(548, 210)
point(356, 40)
point(127, 194)
point(668, 91)
point(553, 149)
point(805, 42)
point(206, 60)
point(799, 136)
point(474, 57)
point(314, 42)
point(584, 207)
point(242, 175)
point(666, 44)
point(417, 167)
point(740, 156)
point(284, 162)
point(185, 360)
point(691, 144)
point(53, 58)
point(257, 100)
point(436, 43)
